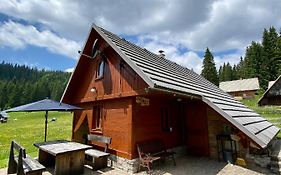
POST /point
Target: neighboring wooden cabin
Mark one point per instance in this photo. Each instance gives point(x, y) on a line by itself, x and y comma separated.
point(133, 95)
point(241, 89)
point(272, 95)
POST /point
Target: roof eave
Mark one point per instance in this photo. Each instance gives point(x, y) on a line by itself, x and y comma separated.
point(235, 123)
point(169, 91)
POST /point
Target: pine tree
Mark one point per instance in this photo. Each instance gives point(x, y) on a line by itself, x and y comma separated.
point(257, 64)
point(269, 44)
point(234, 73)
point(220, 74)
point(228, 72)
point(209, 68)
point(277, 55)
point(21, 84)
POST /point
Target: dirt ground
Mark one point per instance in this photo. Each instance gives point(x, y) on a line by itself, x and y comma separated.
point(185, 166)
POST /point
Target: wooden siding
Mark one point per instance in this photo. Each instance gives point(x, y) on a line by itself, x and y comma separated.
point(197, 140)
point(119, 79)
point(116, 123)
point(189, 124)
point(244, 94)
point(147, 123)
point(273, 100)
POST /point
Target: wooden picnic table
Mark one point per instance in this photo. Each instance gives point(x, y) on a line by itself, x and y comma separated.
point(68, 157)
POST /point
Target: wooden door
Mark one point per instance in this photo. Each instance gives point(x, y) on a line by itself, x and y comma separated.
point(197, 141)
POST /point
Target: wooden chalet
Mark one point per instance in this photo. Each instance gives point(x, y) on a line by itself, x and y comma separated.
point(241, 89)
point(272, 95)
point(132, 95)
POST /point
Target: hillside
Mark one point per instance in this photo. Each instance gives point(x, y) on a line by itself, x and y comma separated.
point(20, 84)
point(271, 113)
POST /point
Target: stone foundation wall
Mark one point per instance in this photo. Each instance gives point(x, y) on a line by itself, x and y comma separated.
point(215, 127)
point(131, 166)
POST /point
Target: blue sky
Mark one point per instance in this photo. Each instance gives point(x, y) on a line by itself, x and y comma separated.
point(48, 34)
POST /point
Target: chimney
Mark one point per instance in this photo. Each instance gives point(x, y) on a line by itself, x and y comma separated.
point(161, 54)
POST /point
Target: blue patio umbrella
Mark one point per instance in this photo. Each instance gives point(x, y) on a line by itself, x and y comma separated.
point(44, 105)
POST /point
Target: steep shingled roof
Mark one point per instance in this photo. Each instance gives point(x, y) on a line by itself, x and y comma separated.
point(161, 73)
point(240, 85)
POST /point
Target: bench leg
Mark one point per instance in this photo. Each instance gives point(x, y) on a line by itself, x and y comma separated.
point(145, 165)
point(149, 167)
point(12, 167)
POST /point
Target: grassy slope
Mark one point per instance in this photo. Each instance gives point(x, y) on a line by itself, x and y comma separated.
point(271, 113)
point(28, 128)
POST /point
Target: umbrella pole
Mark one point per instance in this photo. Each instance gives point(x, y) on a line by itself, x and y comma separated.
point(46, 122)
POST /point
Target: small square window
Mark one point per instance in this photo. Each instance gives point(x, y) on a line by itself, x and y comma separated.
point(100, 69)
point(97, 119)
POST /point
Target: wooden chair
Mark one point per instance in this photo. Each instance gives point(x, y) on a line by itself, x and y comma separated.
point(22, 163)
point(151, 151)
point(96, 158)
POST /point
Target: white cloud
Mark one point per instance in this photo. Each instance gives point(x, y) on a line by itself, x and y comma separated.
point(163, 24)
point(228, 58)
point(18, 36)
point(234, 24)
point(69, 70)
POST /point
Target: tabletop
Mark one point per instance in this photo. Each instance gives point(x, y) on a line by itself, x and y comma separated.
point(60, 146)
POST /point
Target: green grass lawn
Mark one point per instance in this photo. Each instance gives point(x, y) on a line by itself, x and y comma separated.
point(28, 128)
point(271, 113)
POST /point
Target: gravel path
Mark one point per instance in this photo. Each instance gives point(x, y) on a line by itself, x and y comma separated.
point(185, 166)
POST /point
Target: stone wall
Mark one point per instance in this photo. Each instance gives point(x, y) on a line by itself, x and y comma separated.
point(216, 126)
point(131, 166)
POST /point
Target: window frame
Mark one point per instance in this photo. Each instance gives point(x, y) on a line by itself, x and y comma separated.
point(99, 74)
point(97, 119)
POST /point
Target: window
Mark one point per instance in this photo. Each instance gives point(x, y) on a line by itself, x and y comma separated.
point(100, 69)
point(166, 119)
point(97, 118)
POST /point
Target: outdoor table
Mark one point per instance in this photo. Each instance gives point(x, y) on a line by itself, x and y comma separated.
point(68, 157)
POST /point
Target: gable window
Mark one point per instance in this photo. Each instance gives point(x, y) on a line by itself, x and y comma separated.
point(97, 118)
point(166, 119)
point(100, 69)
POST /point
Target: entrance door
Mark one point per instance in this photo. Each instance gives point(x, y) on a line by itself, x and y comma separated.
point(197, 141)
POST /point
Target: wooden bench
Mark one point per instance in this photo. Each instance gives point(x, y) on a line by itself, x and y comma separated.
point(23, 163)
point(151, 151)
point(96, 158)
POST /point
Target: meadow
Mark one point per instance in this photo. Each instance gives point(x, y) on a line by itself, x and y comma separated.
point(28, 128)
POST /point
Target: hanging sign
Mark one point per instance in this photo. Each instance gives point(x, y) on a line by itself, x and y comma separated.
point(142, 101)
